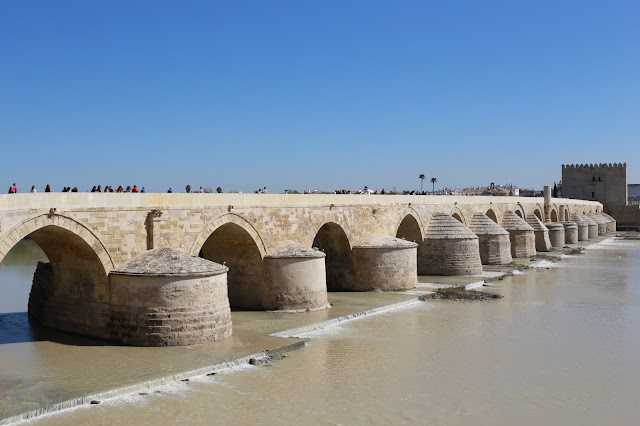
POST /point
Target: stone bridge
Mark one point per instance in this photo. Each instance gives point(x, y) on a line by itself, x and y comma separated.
point(370, 241)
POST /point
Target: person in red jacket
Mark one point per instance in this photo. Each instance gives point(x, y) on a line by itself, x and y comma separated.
point(135, 189)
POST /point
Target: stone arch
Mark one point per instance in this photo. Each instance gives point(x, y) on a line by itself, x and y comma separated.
point(492, 215)
point(410, 229)
point(567, 214)
point(210, 227)
point(28, 226)
point(71, 291)
point(458, 215)
point(329, 217)
point(519, 213)
point(405, 216)
point(554, 215)
point(333, 241)
point(236, 244)
point(538, 214)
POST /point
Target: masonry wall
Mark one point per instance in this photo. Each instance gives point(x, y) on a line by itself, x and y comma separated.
point(605, 183)
point(118, 226)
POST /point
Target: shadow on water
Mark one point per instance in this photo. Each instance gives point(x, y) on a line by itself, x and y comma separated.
point(16, 272)
point(15, 327)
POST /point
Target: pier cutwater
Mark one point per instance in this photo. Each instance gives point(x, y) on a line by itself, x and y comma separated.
point(264, 252)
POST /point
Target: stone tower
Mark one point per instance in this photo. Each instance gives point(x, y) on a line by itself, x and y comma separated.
point(606, 183)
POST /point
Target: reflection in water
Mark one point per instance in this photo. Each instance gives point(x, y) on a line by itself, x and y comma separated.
point(15, 328)
point(560, 348)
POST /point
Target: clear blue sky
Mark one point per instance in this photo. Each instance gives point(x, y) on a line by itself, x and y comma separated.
point(315, 94)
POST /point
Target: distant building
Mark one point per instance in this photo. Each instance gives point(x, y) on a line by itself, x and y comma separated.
point(606, 183)
point(530, 193)
point(491, 190)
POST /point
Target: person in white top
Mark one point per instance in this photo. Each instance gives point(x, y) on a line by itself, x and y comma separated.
point(33, 189)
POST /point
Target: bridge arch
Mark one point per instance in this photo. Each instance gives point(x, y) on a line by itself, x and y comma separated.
point(334, 242)
point(410, 227)
point(458, 215)
point(71, 291)
point(232, 241)
point(554, 215)
point(37, 223)
point(238, 220)
point(538, 214)
point(520, 211)
point(492, 215)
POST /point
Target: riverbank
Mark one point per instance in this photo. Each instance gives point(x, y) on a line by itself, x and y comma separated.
point(71, 380)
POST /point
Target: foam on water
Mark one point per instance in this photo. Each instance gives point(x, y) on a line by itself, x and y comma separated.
point(544, 264)
point(301, 332)
point(170, 384)
point(604, 244)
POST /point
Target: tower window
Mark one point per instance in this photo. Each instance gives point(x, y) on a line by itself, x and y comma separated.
point(593, 195)
point(598, 178)
point(594, 178)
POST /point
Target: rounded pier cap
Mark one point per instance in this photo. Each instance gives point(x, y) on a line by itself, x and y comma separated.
point(536, 223)
point(606, 216)
point(385, 241)
point(481, 224)
point(569, 224)
point(445, 227)
point(512, 222)
point(578, 220)
point(597, 219)
point(291, 249)
point(554, 226)
point(168, 262)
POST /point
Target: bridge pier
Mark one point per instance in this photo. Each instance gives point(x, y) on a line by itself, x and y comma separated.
point(583, 227)
point(385, 263)
point(611, 222)
point(450, 248)
point(167, 298)
point(592, 226)
point(556, 234)
point(602, 223)
point(296, 279)
point(495, 247)
point(541, 233)
point(571, 233)
point(521, 235)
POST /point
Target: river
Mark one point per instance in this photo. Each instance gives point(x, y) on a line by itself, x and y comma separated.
point(561, 347)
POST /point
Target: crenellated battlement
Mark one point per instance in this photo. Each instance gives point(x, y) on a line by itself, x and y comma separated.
point(594, 166)
point(602, 182)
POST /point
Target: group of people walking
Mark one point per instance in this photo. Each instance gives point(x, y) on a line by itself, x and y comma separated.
point(13, 189)
point(120, 189)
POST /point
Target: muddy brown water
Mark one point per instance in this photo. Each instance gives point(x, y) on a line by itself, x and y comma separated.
point(562, 346)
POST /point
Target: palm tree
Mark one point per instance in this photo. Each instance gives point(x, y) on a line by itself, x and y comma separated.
point(422, 178)
point(433, 183)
